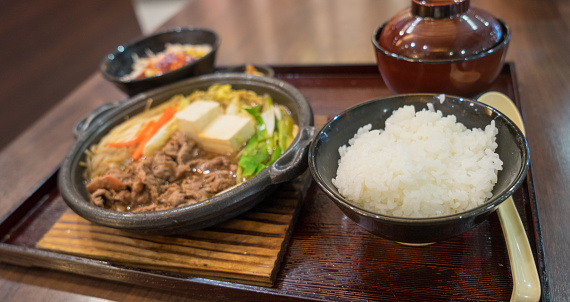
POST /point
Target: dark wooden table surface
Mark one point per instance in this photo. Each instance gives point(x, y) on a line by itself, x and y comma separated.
point(316, 32)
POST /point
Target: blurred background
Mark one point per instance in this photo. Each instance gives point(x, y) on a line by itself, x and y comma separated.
point(49, 47)
point(152, 13)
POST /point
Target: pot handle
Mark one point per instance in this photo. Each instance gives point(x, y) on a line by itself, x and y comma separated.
point(84, 124)
point(295, 161)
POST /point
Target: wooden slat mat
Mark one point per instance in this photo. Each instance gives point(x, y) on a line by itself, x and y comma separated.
point(247, 249)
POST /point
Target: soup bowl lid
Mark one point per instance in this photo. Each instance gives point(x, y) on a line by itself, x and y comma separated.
point(441, 30)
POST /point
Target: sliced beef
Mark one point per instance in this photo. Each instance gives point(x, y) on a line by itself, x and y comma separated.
point(100, 197)
point(146, 208)
point(123, 197)
point(125, 176)
point(173, 145)
point(180, 174)
point(138, 185)
point(172, 196)
point(143, 197)
point(187, 151)
point(193, 188)
point(182, 171)
point(208, 165)
point(150, 182)
point(218, 181)
point(164, 167)
point(106, 182)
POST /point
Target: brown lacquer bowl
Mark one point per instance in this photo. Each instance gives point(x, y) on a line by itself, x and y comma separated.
point(224, 206)
point(441, 47)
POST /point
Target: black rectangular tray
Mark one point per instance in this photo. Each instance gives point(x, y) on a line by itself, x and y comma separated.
point(328, 257)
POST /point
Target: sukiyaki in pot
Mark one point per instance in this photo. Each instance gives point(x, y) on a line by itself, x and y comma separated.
point(188, 155)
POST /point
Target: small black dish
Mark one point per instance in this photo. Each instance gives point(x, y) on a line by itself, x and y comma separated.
point(119, 63)
point(512, 149)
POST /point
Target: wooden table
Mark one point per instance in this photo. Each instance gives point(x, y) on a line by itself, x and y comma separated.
point(316, 32)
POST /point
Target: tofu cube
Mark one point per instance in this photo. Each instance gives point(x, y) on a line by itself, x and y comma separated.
point(227, 133)
point(195, 117)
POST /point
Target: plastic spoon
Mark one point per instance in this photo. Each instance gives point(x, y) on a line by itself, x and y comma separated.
point(526, 284)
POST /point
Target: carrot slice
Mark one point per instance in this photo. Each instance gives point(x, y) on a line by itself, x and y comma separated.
point(139, 150)
point(166, 115)
point(135, 141)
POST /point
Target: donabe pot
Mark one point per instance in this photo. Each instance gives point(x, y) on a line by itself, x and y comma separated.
point(224, 206)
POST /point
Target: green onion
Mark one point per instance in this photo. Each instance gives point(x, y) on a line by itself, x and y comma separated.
point(274, 134)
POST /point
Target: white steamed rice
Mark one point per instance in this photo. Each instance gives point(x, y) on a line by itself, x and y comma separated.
point(421, 165)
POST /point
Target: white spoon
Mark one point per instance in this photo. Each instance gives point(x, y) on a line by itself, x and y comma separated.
point(526, 284)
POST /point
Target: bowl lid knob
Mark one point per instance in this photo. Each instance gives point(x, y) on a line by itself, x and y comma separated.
point(439, 9)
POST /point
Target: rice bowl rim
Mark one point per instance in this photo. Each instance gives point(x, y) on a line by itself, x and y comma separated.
point(489, 205)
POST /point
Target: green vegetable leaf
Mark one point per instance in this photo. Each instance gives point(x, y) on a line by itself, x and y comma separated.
point(275, 155)
point(250, 163)
point(264, 147)
point(255, 112)
point(285, 129)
